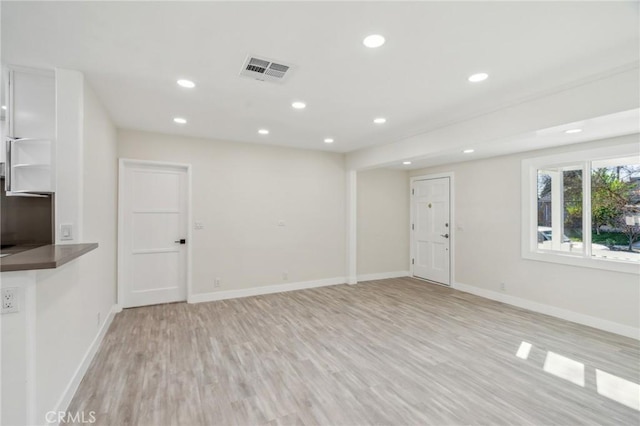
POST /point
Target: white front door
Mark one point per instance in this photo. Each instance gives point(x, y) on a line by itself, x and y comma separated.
point(153, 221)
point(431, 230)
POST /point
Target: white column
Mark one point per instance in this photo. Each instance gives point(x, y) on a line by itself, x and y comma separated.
point(351, 180)
point(69, 153)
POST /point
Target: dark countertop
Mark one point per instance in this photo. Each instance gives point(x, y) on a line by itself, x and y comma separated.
point(18, 248)
point(44, 257)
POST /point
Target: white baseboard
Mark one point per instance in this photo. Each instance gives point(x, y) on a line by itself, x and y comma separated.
point(599, 323)
point(72, 386)
point(383, 275)
point(268, 289)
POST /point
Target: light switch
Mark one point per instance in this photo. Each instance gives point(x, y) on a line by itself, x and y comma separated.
point(66, 232)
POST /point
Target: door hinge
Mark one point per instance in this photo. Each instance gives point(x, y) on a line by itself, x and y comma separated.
point(413, 191)
point(413, 227)
point(413, 261)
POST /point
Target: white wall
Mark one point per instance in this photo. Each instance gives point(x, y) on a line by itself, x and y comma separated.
point(100, 198)
point(382, 222)
point(487, 245)
point(70, 299)
point(18, 386)
point(72, 304)
point(240, 192)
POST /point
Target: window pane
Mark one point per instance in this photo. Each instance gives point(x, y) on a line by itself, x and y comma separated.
point(572, 210)
point(615, 209)
point(544, 210)
point(560, 209)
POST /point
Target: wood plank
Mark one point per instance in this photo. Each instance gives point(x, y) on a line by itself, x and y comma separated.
point(397, 351)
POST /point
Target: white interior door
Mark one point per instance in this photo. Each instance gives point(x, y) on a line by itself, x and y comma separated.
point(431, 230)
point(153, 221)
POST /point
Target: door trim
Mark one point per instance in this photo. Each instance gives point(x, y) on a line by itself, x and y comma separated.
point(452, 225)
point(122, 164)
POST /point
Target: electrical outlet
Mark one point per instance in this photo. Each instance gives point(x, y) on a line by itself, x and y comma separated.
point(216, 282)
point(10, 302)
point(503, 287)
point(199, 225)
point(285, 275)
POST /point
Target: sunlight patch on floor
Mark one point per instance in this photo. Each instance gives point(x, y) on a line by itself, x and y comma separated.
point(608, 385)
point(618, 389)
point(565, 368)
point(523, 350)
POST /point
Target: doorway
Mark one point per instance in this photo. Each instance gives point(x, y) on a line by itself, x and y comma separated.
point(153, 233)
point(431, 228)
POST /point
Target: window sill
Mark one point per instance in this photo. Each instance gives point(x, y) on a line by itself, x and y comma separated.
point(579, 261)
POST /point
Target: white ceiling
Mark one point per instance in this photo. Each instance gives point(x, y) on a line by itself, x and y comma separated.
point(132, 54)
point(598, 128)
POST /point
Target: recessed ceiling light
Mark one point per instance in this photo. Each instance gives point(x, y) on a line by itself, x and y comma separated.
point(186, 83)
point(573, 131)
point(406, 163)
point(263, 131)
point(468, 151)
point(180, 120)
point(380, 120)
point(4, 107)
point(299, 105)
point(328, 140)
point(476, 78)
point(373, 41)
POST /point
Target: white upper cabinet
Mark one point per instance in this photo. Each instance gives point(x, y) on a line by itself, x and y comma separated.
point(30, 130)
point(4, 114)
point(32, 104)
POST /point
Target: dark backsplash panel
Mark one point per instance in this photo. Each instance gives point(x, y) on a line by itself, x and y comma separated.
point(26, 220)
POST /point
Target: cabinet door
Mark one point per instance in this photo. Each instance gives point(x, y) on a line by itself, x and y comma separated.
point(31, 122)
point(4, 115)
point(32, 104)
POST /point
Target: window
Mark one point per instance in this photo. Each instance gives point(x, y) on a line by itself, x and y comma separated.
point(583, 208)
point(560, 209)
point(615, 208)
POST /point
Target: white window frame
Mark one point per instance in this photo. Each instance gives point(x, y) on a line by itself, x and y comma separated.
point(529, 183)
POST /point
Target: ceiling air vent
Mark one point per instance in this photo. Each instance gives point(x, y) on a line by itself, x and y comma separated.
point(265, 69)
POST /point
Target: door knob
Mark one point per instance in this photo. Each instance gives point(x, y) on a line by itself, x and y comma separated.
point(181, 241)
point(445, 235)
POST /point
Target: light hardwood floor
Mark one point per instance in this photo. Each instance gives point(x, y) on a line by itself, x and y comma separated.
point(397, 352)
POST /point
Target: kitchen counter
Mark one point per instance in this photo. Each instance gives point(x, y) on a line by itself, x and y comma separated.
point(44, 257)
point(18, 248)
